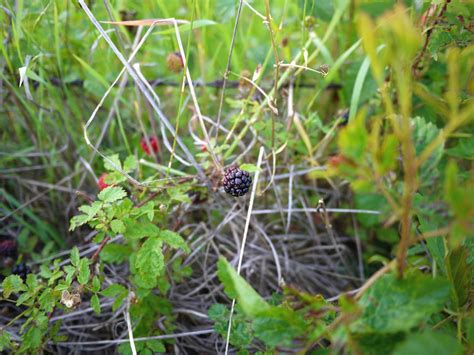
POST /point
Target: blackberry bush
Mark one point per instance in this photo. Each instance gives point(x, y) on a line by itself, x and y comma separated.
point(236, 181)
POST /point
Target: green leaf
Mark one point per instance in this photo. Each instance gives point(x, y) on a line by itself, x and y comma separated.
point(54, 277)
point(12, 284)
point(32, 283)
point(353, 138)
point(112, 194)
point(137, 229)
point(156, 345)
point(47, 300)
point(459, 195)
point(388, 154)
point(236, 287)
point(115, 159)
point(432, 343)
point(115, 178)
point(174, 240)
point(130, 164)
point(78, 221)
point(459, 273)
point(470, 329)
point(32, 338)
point(464, 149)
point(431, 223)
point(177, 194)
point(24, 297)
point(377, 343)
point(455, 192)
point(117, 226)
point(84, 272)
point(117, 291)
point(251, 168)
point(241, 332)
point(96, 284)
point(423, 134)
point(147, 209)
point(115, 253)
point(279, 326)
point(149, 262)
point(370, 202)
point(218, 312)
point(5, 341)
point(61, 287)
point(392, 305)
point(95, 304)
point(75, 257)
point(45, 272)
point(70, 272)
point(91, 210)
point(114, 290)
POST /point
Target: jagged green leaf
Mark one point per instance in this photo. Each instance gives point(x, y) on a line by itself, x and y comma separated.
point(84, 272)
point(115, 160)
point(236, 287)
point(112, 194)
point(115, 253)
point(137, 229)
point(278, 326)
point(149, 262)
point(433, 343)
point(95, 304)
point(459, 273)
point(174, 240)
point(12, 284)
point(392, 305)
point(423, 134)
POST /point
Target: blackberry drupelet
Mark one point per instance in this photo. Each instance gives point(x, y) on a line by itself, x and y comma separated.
point(236, 181)
point(21, 270)
point(8, 248)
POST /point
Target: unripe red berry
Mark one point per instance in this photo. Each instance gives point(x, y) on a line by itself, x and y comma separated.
point(101, 182)
point(337, 160)
point(175, 62)
point(152, 142)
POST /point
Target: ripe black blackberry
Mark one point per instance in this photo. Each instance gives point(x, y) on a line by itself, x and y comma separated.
point(8, 248)
point(236, 181)
point(21, 270)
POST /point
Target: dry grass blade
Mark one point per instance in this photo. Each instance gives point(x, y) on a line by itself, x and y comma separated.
point(244, 238)
point(143, 89)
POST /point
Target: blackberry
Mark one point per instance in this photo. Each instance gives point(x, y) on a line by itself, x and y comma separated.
point(21, 270)
point(8, 248)
point(236, 181)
